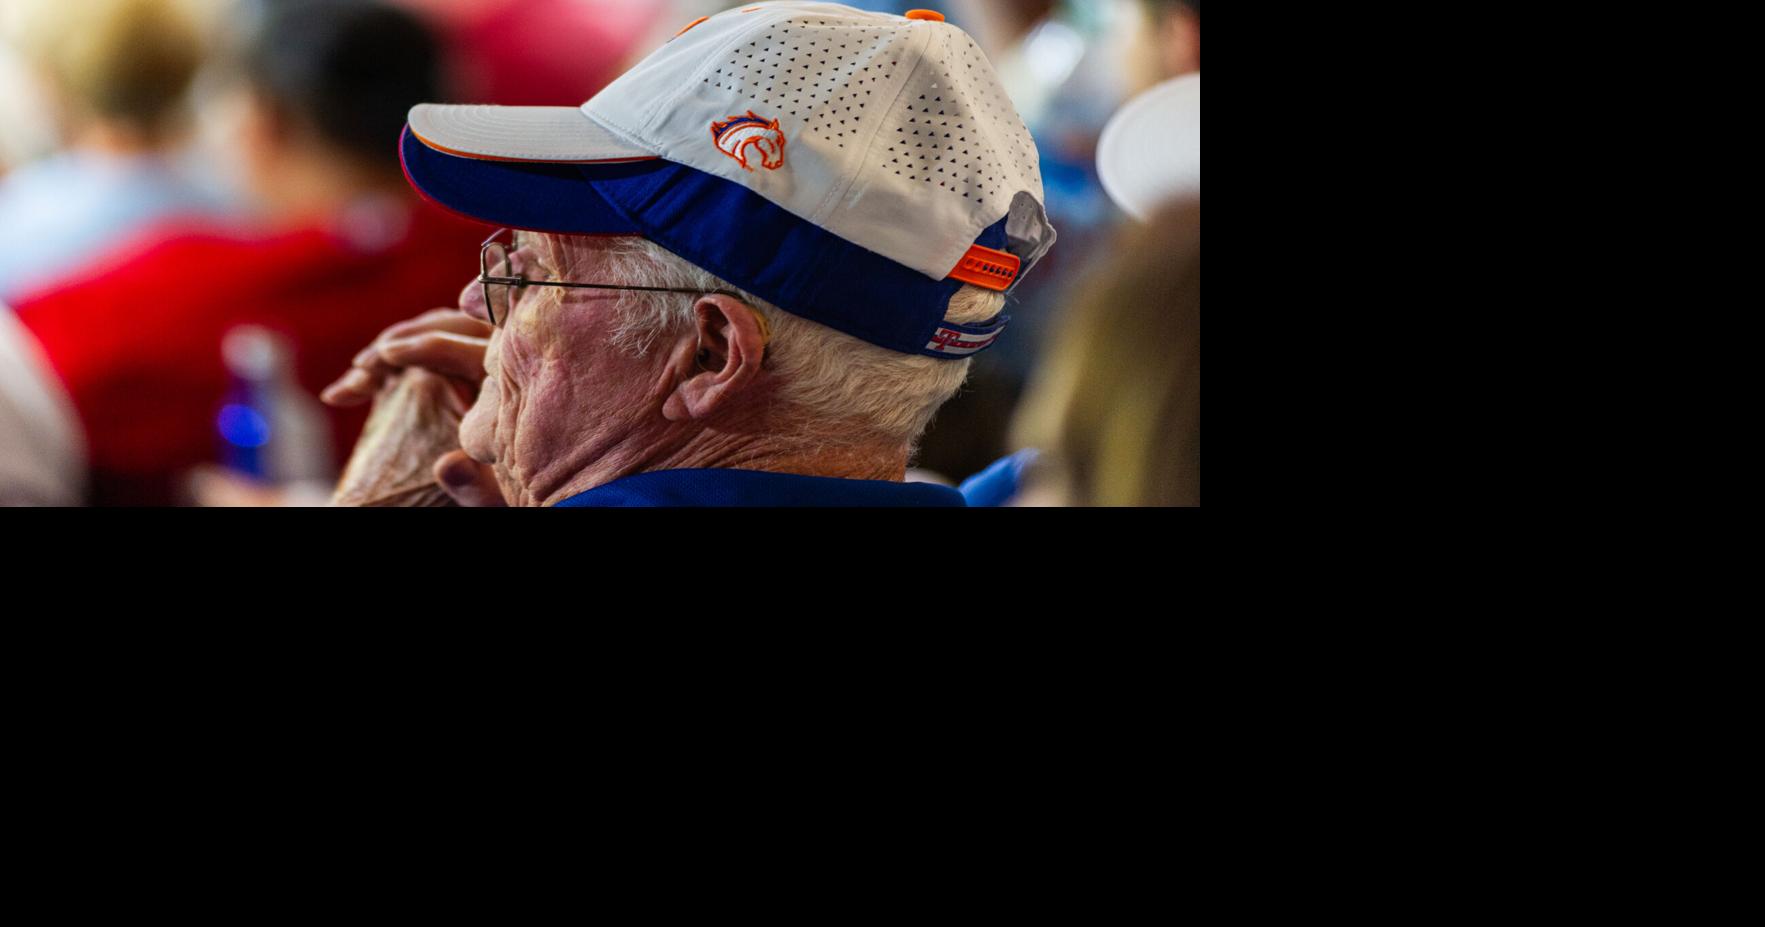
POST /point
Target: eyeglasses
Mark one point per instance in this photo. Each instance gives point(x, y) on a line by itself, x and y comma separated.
point(501, 283)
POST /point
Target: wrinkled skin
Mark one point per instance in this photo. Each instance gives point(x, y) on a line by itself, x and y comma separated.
point(559, 409)
point(555, 397)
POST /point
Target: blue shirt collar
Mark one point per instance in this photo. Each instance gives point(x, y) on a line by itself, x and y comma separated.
point(757, 488)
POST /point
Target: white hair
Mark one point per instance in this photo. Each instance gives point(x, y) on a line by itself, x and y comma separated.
point(832, 380)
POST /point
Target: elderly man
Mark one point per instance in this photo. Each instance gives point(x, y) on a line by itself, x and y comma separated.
point(767, 253)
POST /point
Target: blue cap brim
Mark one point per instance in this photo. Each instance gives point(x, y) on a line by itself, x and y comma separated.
point(537, 197)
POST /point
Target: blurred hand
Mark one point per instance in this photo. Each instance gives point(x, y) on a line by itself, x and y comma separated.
point(217, 487)
point(446, 342)
point(443, 341)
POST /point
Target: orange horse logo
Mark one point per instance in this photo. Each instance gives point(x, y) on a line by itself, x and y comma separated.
point(740, 136)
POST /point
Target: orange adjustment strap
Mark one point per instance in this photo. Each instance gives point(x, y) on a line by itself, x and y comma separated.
point(985, 267)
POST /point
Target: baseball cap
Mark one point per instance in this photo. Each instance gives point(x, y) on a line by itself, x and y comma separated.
point(1150, 150)
point(852, 168)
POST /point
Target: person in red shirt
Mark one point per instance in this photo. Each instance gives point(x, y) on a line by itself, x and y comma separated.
point(345, 252)
point(544, 52)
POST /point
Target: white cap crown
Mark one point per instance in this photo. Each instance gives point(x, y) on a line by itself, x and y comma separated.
point(892, 133)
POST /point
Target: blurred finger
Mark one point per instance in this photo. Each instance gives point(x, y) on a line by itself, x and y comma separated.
point(372, 367)
point(442, 320)
point(467, 481)
point(352, 389)
point(457, 356)
point(370, 359)
point(214, 487)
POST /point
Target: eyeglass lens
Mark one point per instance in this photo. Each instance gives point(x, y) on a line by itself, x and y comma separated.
point(499, 298)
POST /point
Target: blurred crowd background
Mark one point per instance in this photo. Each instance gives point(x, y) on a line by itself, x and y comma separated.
point(203, 217)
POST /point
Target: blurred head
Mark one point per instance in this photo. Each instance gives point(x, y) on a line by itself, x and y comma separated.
point(124, 64)
point(586, 378)
point(1116, 404)
point(544, 52)
point(1169, 46)
point(324, 86)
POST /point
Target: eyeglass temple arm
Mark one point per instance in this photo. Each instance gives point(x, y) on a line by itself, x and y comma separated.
point(517, 281)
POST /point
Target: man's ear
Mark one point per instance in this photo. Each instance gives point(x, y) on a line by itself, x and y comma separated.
point(718, 359)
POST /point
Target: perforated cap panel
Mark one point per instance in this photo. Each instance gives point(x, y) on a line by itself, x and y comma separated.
point(891, 133)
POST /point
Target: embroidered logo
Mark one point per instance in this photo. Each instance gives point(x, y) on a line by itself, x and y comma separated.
point(958, 343)
point(741, 137)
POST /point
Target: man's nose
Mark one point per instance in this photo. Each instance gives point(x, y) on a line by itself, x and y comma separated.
point(472, 302)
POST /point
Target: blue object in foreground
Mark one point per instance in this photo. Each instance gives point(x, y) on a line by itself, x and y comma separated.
point(999, 483)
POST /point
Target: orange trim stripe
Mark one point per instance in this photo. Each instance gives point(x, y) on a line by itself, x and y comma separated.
point(689, 26)
point(484, 157)
point(987, 268)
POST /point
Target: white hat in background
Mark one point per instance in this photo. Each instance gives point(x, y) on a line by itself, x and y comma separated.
point(1150, 151)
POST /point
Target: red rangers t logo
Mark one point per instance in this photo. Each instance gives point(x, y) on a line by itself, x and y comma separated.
point(955, 342)
point(741, 137)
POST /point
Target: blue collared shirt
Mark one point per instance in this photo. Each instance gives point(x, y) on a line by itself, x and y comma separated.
point(757, 488)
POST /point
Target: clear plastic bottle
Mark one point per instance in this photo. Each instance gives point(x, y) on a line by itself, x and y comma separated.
point(270, 428)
